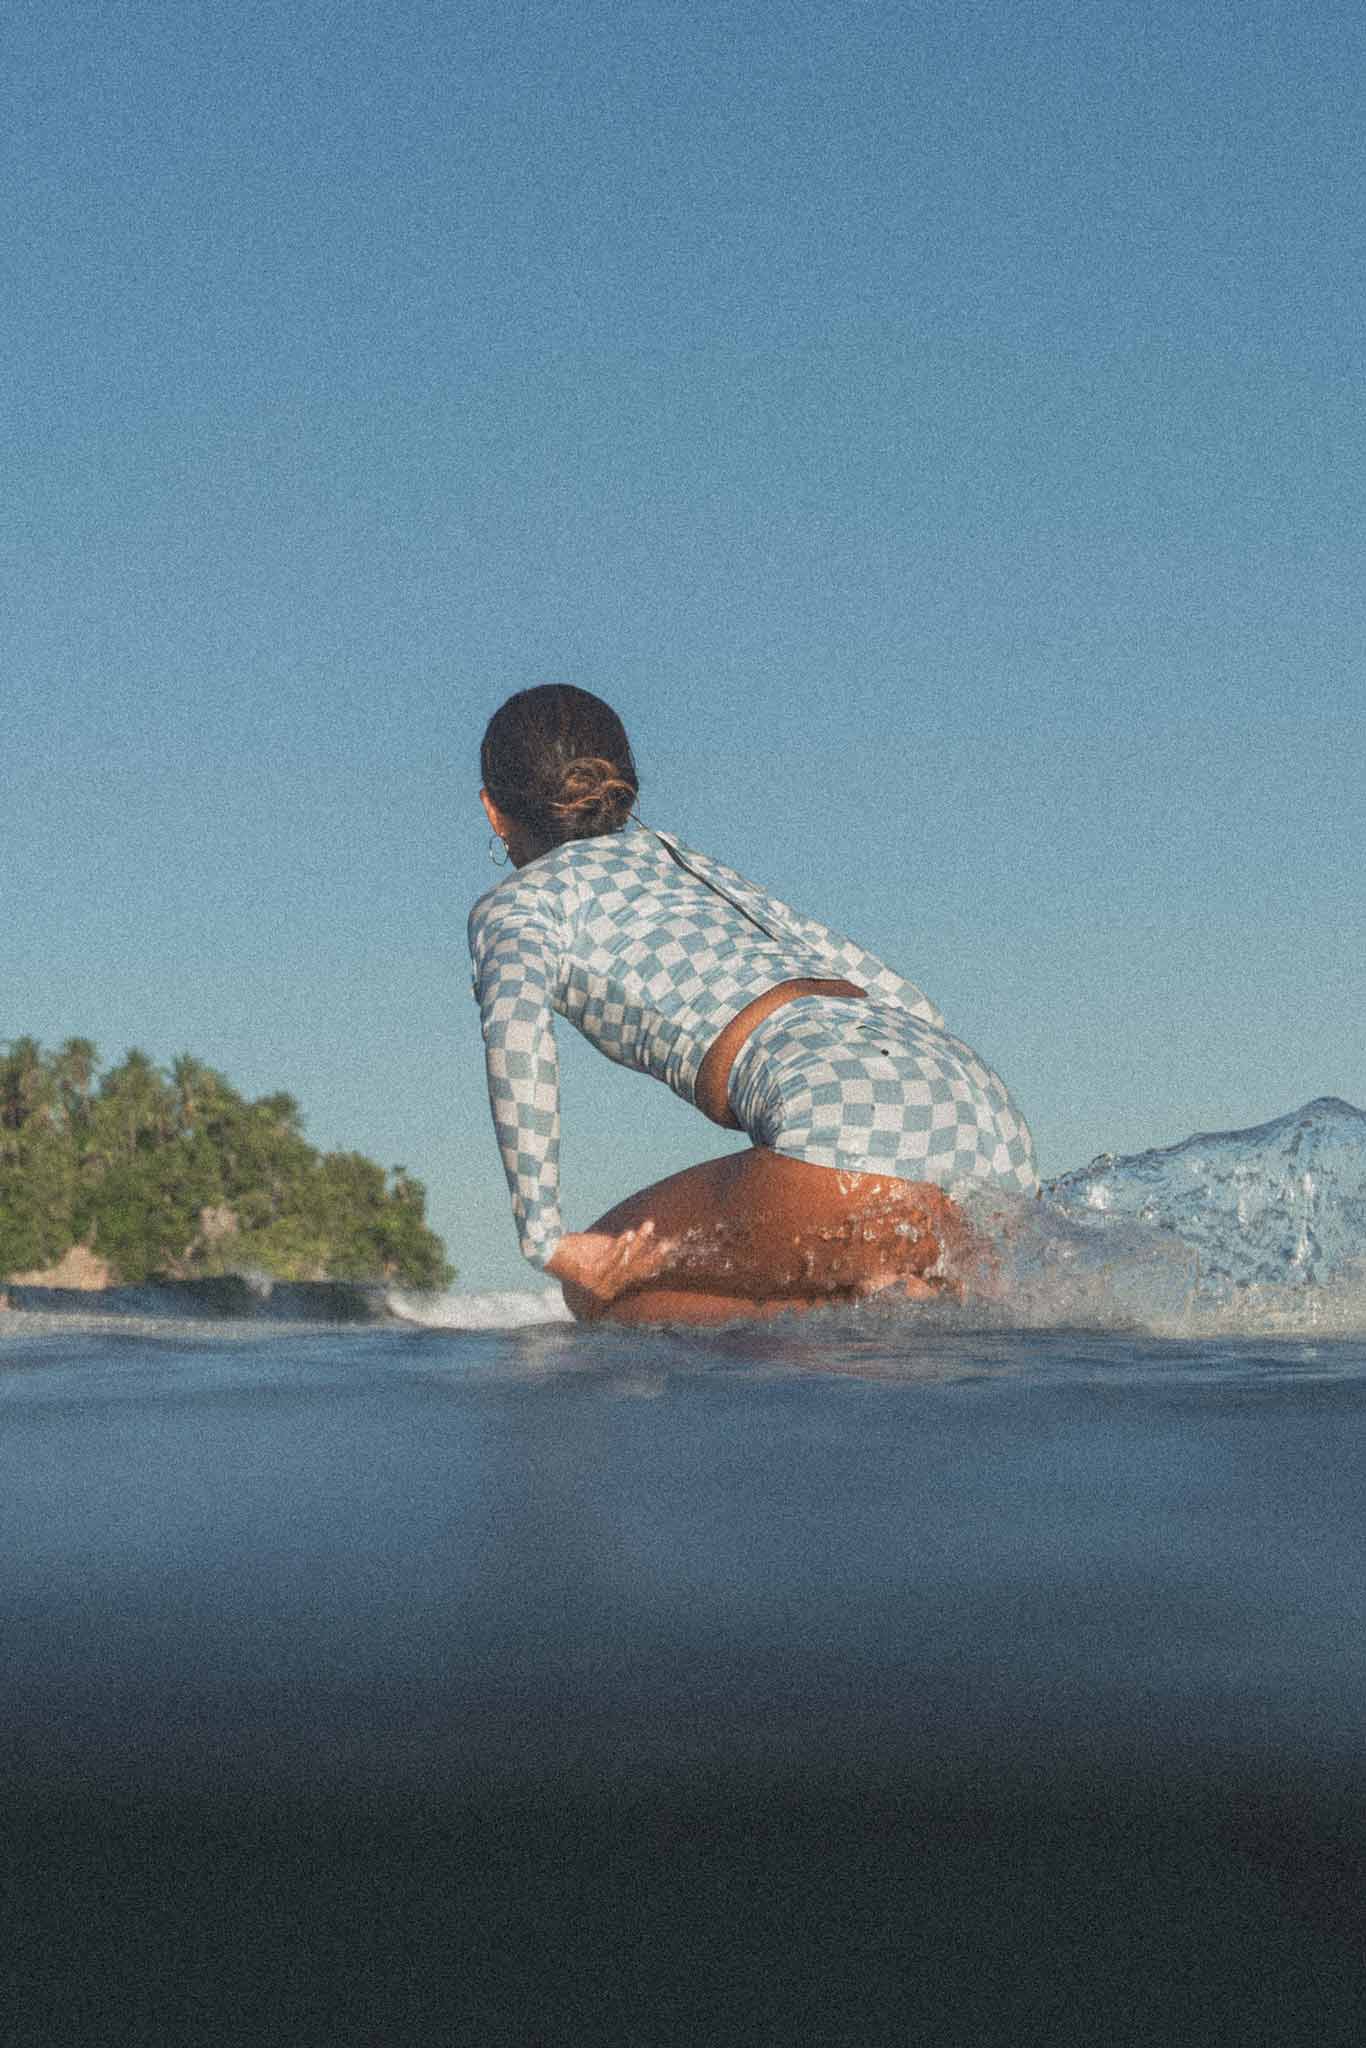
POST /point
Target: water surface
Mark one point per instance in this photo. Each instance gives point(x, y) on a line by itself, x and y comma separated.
point(870, 1678)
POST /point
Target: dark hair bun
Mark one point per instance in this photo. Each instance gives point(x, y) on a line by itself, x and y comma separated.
point(593, 797)
point(558, 760)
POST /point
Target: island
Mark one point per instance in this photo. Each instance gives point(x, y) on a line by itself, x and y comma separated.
point(140, 1172)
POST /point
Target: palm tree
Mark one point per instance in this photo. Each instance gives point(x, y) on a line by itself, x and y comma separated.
point(197, 1088)
point(137, 1101)
point(283, 1110)
point(25, 1084)
point(73, 1072)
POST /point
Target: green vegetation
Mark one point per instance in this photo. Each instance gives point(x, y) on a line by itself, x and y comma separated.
point(177, 1174)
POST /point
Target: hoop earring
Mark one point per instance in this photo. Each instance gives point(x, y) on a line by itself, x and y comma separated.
point(499, 860)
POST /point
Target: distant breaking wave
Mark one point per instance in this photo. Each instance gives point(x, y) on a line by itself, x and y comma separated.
point(500, 1309)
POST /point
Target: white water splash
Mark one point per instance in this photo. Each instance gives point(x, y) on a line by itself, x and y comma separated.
point(1101, 1270)
point(1282, 1205)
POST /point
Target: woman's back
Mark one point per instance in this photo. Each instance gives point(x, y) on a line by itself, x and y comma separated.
point(649, 949)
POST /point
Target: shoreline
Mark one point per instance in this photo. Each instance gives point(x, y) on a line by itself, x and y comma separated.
point(219, 1295)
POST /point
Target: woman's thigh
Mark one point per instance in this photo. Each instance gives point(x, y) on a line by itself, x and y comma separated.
point(757, 1233)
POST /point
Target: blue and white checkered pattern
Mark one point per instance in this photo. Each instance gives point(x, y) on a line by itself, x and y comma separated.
point(649, 962)
point(871, 1089)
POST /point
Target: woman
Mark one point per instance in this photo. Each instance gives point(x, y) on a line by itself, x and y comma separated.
point(861, 1109)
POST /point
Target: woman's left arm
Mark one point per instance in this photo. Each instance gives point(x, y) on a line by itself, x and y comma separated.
point(514, 958)
point(594, 1267)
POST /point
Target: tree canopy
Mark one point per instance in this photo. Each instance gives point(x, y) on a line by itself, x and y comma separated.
point(174, 1172)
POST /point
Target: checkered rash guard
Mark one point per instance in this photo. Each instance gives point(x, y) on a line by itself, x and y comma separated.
point(649, 961)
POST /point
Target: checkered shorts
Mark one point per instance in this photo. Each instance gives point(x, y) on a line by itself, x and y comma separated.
point(867, 1087)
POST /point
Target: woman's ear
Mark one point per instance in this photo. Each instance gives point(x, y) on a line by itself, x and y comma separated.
point(522, 844)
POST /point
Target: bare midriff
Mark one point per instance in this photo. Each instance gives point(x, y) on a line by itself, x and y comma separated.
point(713, 1076)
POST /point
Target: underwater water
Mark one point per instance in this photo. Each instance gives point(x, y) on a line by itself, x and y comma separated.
point(978, 1674)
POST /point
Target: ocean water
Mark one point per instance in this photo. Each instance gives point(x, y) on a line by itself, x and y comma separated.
point(384, 1669)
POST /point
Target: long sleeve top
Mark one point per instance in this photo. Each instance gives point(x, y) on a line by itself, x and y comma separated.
point(649, 950)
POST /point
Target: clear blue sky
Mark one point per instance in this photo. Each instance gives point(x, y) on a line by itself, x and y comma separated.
point(938, 429)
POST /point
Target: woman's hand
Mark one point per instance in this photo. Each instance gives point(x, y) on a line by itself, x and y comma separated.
point(595, 1266)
